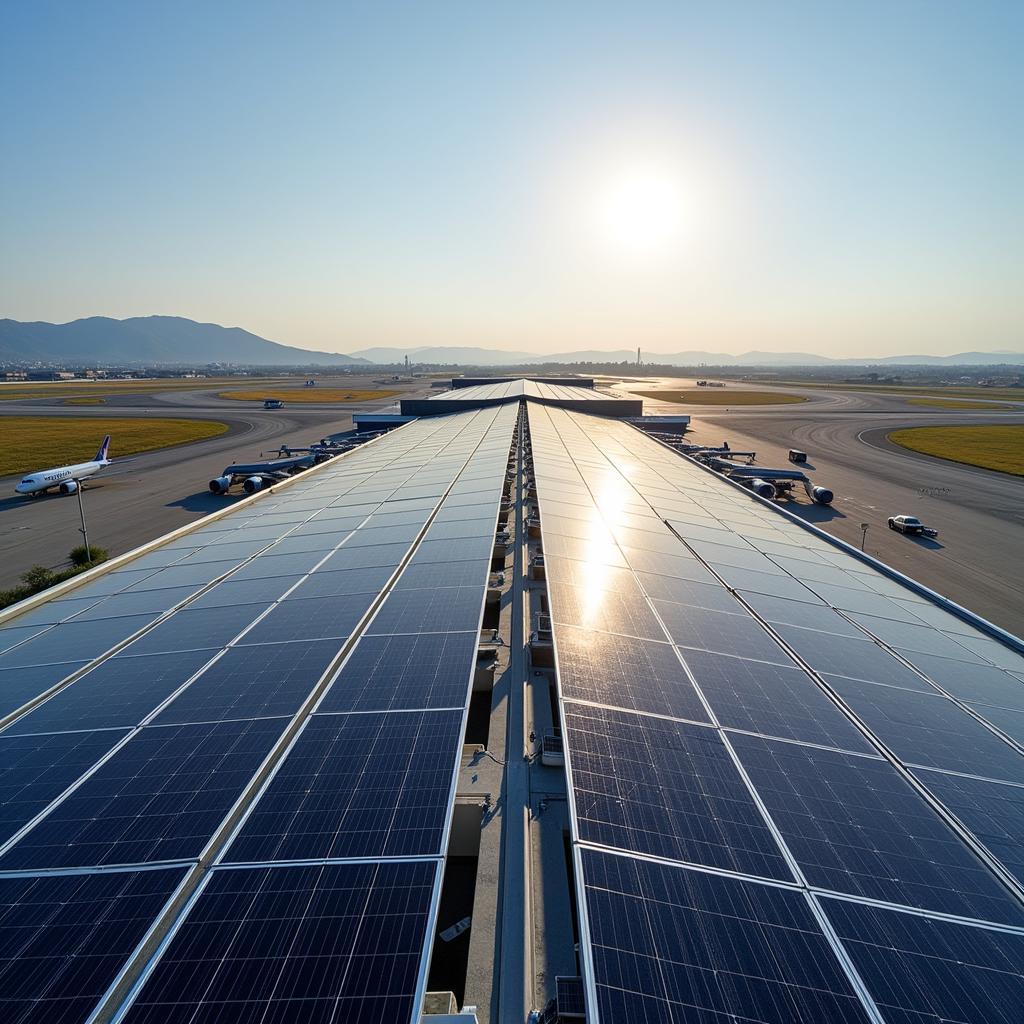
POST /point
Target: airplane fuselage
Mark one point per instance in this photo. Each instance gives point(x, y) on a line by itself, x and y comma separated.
point(37, 483)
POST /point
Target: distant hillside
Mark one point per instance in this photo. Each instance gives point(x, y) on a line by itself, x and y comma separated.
point(149, 340)
point(493, 357)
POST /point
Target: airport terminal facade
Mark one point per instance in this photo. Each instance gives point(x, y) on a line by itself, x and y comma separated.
point(513, 710)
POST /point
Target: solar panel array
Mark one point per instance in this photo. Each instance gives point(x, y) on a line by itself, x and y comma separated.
point(280, 693)
point(796, 786)
point(522, 388)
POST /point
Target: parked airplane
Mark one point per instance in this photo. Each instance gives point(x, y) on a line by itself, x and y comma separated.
point(67, 479)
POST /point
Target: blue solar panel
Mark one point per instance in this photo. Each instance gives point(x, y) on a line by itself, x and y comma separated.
point(774, 700)
point(427, 670)
point(310, 619)
point(846, 656)
point(984, 683)
point(637, 675)
point(437, 610)
point(323, 583)
point(670, 944)
point(192, 629)
point(20, 685)
point(669, 789)
point(341, 943)
point(119, 692)
point(160, 797)
point(35, 770)
point(993, 811)
point(261, 681)
point(64, 939)
point(74, 641)
point(919, 969)
point(931, 731)
point(854, 825)
point(723, 632)
point(363, 785)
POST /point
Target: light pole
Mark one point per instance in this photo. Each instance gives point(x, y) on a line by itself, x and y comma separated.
point(83, 530)
point(863, 534)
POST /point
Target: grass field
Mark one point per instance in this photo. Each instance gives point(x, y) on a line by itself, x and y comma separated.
point(721, 396)
point(89, 389)
point(990, 447)
point(954, 403)
point(307, 395)
point(935, 390)
point(39, 442)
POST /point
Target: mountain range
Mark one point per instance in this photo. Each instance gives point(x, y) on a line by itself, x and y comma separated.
point(153, 340)
point(492, 357)
point(149, 340)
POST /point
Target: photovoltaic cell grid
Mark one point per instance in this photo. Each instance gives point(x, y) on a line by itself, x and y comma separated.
point(791, 767)
point(170, 730)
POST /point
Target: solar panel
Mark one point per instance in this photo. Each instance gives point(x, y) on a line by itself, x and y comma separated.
point(930, 731)
point(35, 770)
point(671, 944)
point(664, 788)
point(983, 683)
point(337, 942)
point(846, 656)
point(403, 672)
point(774, 700)
point(20, 685)
point(436, 610)
point(193, 629)
point(856, 826)
point(993, 811)
point(74, 640)
point(362, 785)
point(161, 797)
point(64, 938)
point(723, 632)
point(922, 969)
point(317, 618)
point(118, 693)
point(260, 681)
point(623, 672)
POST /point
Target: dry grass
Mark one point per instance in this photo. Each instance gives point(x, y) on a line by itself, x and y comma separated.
point(991, 447)
point(39, 442)
point(954, 403)
point(721, 396)
point(88, 389)
point(307, 395)
point(84, 400)
point(935, 390)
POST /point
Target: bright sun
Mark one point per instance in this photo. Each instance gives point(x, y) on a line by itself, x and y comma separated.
point(640, 210)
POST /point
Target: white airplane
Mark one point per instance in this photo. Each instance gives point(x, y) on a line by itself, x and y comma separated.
point(66, 479)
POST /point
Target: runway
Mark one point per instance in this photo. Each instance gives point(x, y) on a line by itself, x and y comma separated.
point(979, 513)
point(151, 494)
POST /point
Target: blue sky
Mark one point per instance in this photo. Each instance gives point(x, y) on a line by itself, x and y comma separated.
point(843, 178)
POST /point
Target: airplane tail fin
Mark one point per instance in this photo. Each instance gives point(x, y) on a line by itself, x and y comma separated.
point(103, 454)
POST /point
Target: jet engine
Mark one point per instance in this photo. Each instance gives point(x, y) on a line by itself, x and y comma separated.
point(220, 484)
point(763, 488)
point(822, 495)
point(68, 487)
point(252, 484)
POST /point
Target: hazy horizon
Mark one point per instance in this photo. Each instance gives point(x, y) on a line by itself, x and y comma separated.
point(841, 181)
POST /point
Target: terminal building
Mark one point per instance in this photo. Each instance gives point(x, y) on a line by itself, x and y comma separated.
point(513, 713)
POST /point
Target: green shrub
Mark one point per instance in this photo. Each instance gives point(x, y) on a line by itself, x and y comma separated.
point(38, 578)
point(88, 556)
